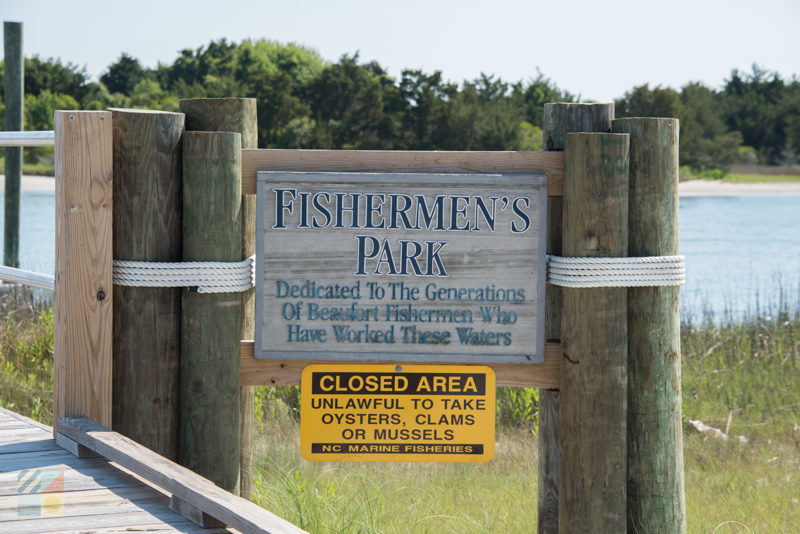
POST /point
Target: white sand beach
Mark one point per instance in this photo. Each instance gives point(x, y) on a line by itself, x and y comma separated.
point(33, 183)
point(691, 188)
point(714, 188)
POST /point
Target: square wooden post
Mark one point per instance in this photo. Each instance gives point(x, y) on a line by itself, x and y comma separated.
point(83, 295)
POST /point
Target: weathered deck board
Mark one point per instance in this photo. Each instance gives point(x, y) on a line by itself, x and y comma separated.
point(97, 496)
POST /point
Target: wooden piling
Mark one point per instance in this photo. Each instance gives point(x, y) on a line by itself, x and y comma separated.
point(236, 115)
point(83, 295)
point(147, 320)
point(13, 96)
point(210, 428)
point(559, 119)
point(594, 340)
point(655, 489)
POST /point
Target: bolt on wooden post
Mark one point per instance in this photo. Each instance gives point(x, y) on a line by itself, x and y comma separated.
point(83, 300)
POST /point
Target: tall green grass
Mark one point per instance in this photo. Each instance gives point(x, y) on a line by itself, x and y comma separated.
point(26, 354)
point(740, 376)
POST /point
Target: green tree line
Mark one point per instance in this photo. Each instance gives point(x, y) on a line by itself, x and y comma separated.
point(305, 101)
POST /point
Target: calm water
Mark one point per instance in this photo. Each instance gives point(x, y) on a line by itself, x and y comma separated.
point(741, 252)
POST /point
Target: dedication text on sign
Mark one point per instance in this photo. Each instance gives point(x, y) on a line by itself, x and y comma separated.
point(377, 413)
point(400, 267)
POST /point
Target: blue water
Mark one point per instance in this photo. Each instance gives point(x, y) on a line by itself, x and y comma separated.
point(742, 253)
point(37, 230)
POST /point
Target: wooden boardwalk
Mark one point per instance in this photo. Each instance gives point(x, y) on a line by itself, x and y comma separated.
point(98, 496)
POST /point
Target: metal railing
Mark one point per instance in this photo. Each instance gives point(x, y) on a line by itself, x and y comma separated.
point(10, 274)
point(32, 138)
point(28, 278)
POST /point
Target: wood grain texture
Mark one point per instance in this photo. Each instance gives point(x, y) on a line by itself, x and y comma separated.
point(287, 372)
point(550, 163)
point(656, 501)
point(559, 119)
point(211, 323)
point(236, 115)
point(594, 340)
point(195, 515)
point(147, 227)
point(201, 493)
point(83, 291)
point(75, 449)
point(497, 266)
point(13, 97)
point(223, 115)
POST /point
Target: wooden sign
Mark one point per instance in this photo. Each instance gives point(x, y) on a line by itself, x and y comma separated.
point(392, 413)
point(400, 267)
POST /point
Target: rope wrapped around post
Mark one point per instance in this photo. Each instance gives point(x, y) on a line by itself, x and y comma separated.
point(616, 272)
point(199, 276)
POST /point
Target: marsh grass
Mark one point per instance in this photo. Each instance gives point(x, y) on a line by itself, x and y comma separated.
point(26, 353)
point(740, 376)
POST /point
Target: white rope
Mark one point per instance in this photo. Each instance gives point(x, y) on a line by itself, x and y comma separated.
point(616, 272)
point(200, 276)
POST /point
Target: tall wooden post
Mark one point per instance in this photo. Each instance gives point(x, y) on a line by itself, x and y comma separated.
point(594, 340)
point(147, 320)
point(212, 231)
point(236, 115)
point(559, 119)
point(656, 500)
point(14, 93)
point(83, 296)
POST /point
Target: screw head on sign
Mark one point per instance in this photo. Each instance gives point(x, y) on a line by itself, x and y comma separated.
point(101, 295)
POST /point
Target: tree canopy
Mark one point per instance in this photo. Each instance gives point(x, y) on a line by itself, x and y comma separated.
point(305, 101)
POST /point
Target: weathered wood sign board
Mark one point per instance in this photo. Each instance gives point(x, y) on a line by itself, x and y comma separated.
point(400, 267)
point(390, 413)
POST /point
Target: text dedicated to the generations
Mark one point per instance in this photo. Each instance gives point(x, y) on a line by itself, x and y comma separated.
point(426, 266)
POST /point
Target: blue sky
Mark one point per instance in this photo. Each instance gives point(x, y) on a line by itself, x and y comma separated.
point(597, 48)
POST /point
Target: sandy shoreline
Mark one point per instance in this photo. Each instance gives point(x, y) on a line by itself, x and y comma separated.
point(691, 188)
point(713, 188)
point(33, 183)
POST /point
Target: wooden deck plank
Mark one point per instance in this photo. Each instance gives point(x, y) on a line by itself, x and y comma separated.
point(99, 496)
point(49, 459)
point(89, 523)
point(8, 413)
point(87, 502)
point(184, 527)
point(185, 484)
point(33, 445)
point(79, 478)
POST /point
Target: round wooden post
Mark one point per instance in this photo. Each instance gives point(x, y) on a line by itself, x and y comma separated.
point(656, 500)
point(236, 115)
point(212, 231)
point(14, 94)
point(559, 119)
point(147, 320)
point(594, 340)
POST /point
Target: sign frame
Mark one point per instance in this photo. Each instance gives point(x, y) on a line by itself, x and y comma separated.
point(538, 181)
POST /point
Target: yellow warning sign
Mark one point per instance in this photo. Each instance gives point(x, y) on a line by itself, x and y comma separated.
point(394, 413)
